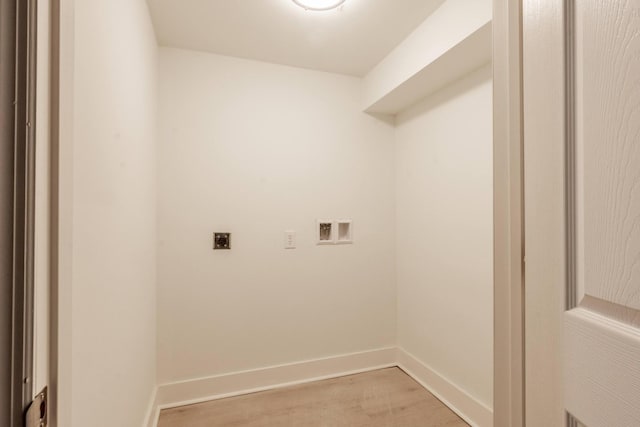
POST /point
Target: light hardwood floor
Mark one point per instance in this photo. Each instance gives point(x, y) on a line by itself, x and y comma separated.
point(383, 398)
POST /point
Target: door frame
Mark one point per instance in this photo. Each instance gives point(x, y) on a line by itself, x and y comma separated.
point(7, 112)
point(24, 200)
point(61, 187)
point(546, 38)
point(530, 133)
point(508, 213)
point(509, 384)
point(21, 29)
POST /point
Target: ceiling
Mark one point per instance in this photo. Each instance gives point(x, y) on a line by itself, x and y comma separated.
point(349, 40)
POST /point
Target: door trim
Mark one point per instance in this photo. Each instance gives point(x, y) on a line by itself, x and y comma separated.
point(508, 406)
point(545, 153)
point(62, 94)
point(24, 210)
point(7, 136)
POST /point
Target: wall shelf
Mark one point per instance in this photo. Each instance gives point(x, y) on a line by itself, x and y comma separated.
point(466, 56)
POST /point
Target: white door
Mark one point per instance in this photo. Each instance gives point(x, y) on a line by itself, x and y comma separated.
point(582, 212)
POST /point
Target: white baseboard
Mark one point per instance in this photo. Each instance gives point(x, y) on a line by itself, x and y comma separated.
point(204, 389)
point(199, 390)
point(467, 407)
point(153, 410)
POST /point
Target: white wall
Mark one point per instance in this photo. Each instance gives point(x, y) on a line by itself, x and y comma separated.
point(444, 233)
point(114, 227)
point(256, 149)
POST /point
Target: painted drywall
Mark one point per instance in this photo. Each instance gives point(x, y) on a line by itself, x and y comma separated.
point(256, 149)
point(114, 226)
point(447, 26)
point(444, 235)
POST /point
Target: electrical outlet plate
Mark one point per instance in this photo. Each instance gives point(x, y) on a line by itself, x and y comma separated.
point(221, 241)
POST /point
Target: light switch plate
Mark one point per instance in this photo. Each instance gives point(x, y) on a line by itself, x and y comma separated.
point(289, 239)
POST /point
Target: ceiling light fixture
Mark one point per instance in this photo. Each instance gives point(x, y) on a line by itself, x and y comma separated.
point(318, 5)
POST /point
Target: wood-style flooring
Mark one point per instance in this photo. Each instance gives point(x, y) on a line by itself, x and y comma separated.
point(383, 398)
